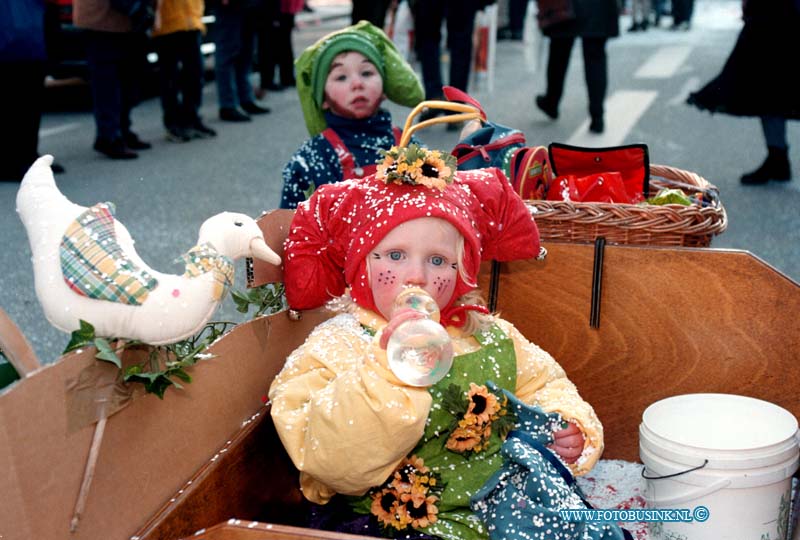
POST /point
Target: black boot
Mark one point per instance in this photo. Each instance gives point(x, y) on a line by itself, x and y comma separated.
point(775, 167)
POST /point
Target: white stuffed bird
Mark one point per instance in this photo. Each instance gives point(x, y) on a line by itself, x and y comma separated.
point(85, 266)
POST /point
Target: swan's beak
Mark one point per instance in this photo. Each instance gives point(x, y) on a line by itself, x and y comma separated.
point(262, 251)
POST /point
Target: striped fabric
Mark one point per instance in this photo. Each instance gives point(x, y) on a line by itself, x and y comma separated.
point(205, 258)
point(94, 265)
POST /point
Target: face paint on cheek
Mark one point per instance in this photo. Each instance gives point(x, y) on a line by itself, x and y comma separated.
point(441, 284)
point(386, 278)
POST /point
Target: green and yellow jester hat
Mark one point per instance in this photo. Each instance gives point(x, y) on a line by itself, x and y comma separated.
point(400, 84)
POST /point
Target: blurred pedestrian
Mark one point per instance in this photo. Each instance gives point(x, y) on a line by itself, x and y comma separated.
point(116, 54)
point(234, 38)
point(517, 9)
point(278, 51)
point(757, 81)
point(23, 63)
point(460, 19)
point(640, 15)
point(682, 11)
point(373, 11)
point(659, 10)
point(177, 35)
point(594, 21)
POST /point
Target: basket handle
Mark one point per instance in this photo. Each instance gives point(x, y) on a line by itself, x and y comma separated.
point(466, 112)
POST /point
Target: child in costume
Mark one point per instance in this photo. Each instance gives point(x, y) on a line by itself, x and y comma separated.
point(341, 81)
point(485, 451)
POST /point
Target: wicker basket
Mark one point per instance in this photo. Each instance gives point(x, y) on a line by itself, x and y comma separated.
point(668, 225)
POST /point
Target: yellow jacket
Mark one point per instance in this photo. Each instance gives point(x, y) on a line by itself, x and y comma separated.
point(179, 16)
point(347, 421)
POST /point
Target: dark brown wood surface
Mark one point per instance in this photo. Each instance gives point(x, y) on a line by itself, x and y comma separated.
point(672, 321)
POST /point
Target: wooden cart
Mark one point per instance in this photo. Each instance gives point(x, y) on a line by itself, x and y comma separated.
point(206, 463)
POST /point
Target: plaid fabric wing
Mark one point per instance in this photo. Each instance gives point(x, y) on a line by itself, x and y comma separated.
point(205, 258)
point(94, 265)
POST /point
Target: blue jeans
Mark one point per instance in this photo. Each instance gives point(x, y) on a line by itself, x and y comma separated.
point(116, 66)
point(233, 57)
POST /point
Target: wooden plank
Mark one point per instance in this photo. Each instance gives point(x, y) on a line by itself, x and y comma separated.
point(16, 347)
point(275, 226)
point(672, 321)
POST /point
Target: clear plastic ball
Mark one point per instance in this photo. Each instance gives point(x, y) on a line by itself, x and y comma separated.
point(420, 352)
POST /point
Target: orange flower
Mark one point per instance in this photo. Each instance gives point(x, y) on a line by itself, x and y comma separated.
point(387, 508)
point(406, 476)
point(423, 514)
point(417, 494)
point(464, 439)
point(482, 403)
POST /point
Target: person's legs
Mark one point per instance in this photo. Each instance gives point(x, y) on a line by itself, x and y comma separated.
point(103, 57)
point(460, 15)
point(268, 44)
point(285, 50)
point(227, 40)
point(776, 166)
point(167, 49)
point(243, 66)
point(516, 17)
point(132, 70)
point(22, 99)
point(191, 76)
point(774, 128)
point(560, 49)
point(596, 73)
point(373, 11)
point(428, 17)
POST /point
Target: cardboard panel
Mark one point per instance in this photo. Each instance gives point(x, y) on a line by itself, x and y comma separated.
point(275, 226)
point(150, 448)
point(672, 321)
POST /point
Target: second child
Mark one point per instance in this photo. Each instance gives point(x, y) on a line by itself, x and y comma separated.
point(341, 81)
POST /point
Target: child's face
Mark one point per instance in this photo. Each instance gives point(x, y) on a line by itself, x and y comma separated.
point(422, 252)
point(354, 87)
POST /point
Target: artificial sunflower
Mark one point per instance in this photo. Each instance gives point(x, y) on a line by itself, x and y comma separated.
point(465, 439)
point(475, 418)
point(482, 403)
point(387, 508)
point(423, 514)
point(412, 489)
point(418, 166)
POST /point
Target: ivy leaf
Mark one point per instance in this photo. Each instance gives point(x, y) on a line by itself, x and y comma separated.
point(182, 375)
point(242, 302)
point(105, 352)
point(82, 337)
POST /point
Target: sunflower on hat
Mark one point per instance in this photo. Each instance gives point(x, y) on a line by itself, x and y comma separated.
point(418, 166)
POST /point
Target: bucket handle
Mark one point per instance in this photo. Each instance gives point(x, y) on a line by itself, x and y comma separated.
point(705, 462)
point(671, 503)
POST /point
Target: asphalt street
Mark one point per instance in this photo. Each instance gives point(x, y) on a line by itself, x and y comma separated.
point(164, 196)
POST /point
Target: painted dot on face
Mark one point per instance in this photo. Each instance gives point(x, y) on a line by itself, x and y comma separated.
point(441, 284)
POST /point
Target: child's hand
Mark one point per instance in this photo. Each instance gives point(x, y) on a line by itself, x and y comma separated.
point(568, 443)
point(398, 318)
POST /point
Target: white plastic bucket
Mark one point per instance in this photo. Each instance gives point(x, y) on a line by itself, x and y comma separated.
point(733, 455)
